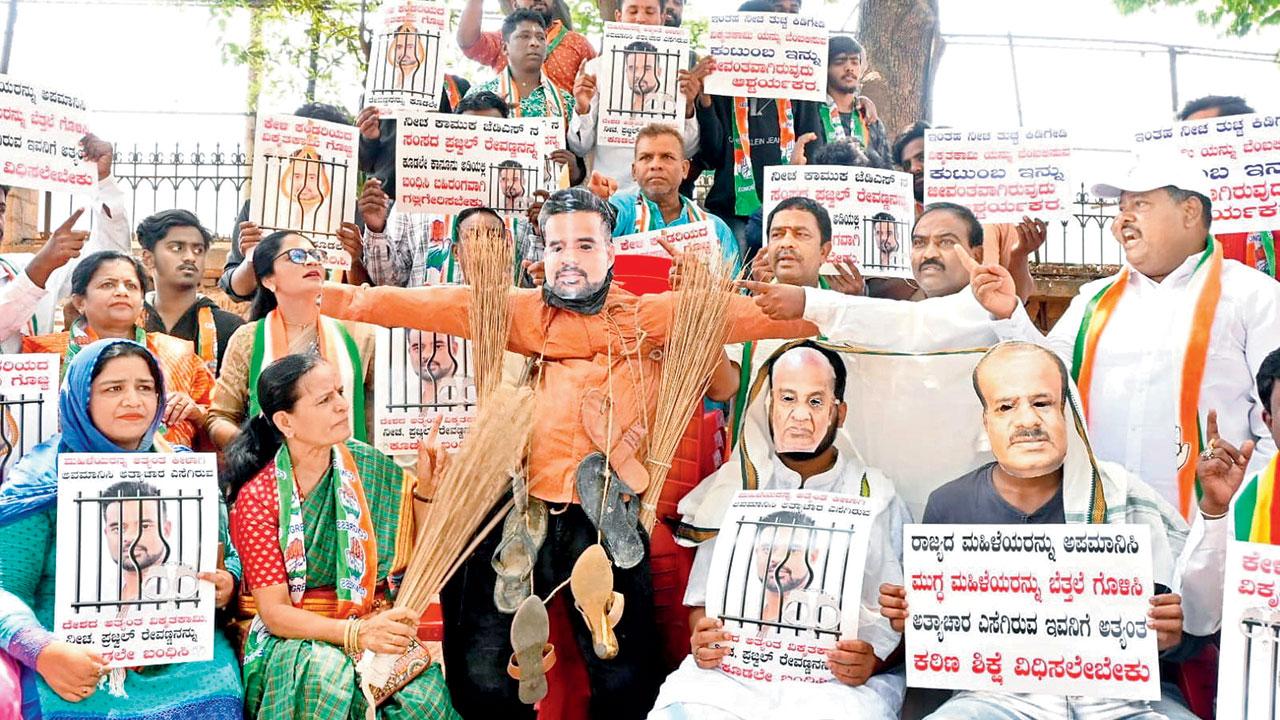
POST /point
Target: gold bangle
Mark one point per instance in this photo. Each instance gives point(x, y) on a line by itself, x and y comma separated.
point(418, 497)
point(346, 637)
point(355, 636)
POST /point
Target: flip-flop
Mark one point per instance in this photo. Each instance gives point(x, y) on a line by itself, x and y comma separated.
point(613, 514)
point(622, 448)
point(522, 536)
point(533, 655)
point(594, 597)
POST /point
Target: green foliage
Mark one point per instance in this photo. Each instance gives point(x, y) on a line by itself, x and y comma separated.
point(1235, 17)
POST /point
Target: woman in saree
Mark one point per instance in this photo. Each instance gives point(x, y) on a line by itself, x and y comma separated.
point(112, 401)
point(324, 523)
point(107, 290)
point(285, 320)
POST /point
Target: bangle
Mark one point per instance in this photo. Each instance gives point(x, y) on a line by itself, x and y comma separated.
point(1207, 516)
point(418, 497)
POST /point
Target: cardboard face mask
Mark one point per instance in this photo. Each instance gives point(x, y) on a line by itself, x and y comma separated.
point(803, 404)
point(578, 255)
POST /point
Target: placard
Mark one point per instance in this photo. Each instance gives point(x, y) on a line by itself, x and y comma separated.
point(639, 82)
point(786, 578)
point(697, 237)
point(448, 163)
point(1240, 156)
point(304, 180)
point(404, 63)
point(872, 212)
point(421, 375)
point(40, 133)
point(1001, 175)
point(1247, 659)
point(1051, 609)
point(28, 405)
point(133, 531)
point(768, 55)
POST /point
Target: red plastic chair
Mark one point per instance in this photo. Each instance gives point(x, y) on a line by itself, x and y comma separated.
point(642, 274)
point(1198, 681)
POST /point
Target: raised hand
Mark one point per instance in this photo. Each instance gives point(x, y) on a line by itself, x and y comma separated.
point(1220, 470)
point(584, 89)
point(849, 281)
point(761, 267)
point(58, 250)
point(373, 205)
point(798, 157)
point(991, 282)
point(778, 301)
point(368, 122)
point(431, 461)
point(250, 236)
point(602, 185)
point(99, 152)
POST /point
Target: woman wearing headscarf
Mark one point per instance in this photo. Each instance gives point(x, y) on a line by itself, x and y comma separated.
point(284, 320)
point(326, 524)
point(112, 401)
point(107, 290)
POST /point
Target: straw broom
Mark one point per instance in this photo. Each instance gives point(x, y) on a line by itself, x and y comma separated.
point(486, 256)
point(699, 327)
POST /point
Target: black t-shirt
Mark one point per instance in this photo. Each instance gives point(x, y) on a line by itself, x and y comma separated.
point(972, 499)
point(188, 326)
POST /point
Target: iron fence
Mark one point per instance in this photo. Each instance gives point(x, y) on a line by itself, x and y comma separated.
point(21, 428)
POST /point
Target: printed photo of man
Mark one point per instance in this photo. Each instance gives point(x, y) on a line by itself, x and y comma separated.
point(436, 359)
point(138, 538)
point(643, 69)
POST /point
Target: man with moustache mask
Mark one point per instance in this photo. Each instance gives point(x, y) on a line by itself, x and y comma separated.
point(596, 350)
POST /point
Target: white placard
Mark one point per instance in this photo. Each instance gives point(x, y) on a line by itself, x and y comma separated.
point(768, 55)
point(639, 82)
point(1247, 659)
point(872, 212)
point(28, 405)
point(698, 237)
point(1239, 155)
point(40, 133)
point(786, 578)
point(133, 531)
point(404, 63)
point(304, 180)
point(1001, 175)
point(421, 375)
point(448, 163)
point(1052, 609)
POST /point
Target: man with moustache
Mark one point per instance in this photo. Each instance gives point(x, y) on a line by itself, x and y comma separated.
point(566, 49)
point(847, 115)
point(673, 13)
point(175, 249)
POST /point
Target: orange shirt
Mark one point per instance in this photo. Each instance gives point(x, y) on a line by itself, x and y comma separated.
point(562, 63)
point(619, 348)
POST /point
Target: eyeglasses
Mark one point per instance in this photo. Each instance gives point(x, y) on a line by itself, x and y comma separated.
point(302, 256)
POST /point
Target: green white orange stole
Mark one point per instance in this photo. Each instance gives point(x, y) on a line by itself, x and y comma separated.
point(1256, 512)
point(1195, 325)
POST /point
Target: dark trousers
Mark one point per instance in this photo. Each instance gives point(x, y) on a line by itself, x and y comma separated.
point(477, 638)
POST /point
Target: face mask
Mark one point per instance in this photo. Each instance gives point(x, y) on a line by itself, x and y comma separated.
point(588, 305)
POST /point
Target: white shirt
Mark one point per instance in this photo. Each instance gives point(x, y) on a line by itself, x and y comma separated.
point(615, 162)
point(951, 322)
point(881, 696)
point(21, 299)
point(1133, 414)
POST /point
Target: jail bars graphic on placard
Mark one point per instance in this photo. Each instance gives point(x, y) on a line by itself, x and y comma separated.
point(886, 242)
point(410, 62)
point(21, 428)
point(644, 83)
point(510, 186)
point(438, 373)
point(802, 607)
point(1261, 630)
point(300, 191)
point(150, 565)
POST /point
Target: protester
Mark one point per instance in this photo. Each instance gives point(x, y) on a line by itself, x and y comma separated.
point(908, 156)
point(377, 156)
point(673, 13)
point(175, 248)
point(523, 83)
point(1043, 474)
point(113, 401)
point(107, 291)
point(806, 384)
point(238, 280)
point(285, 320)
point(351, 524)
point(33, 286)
point(848, 115)
point(1177, 332)
point(616, 162)
point(565, 52)
point(571, 326)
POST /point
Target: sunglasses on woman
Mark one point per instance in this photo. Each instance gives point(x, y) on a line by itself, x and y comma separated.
point(302, 256)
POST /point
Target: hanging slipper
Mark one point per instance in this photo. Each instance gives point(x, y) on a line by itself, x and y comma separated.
point(517, 551)
point(623, 448)
point(612, 509)
point(594, 597)
point(533, 656)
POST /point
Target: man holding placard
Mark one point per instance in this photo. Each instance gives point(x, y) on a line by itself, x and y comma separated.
point(793, 443)
point(1045, 474)
point(522, 83)
point(848, 115)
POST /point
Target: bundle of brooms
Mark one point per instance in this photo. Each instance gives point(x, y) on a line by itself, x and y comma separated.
point(486, 256)
point(699, 326)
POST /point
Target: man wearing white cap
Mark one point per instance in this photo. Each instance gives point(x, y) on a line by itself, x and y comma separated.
point(1177, 333)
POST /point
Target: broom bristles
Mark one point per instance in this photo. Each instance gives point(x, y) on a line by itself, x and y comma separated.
point(487, 257)
point(699, 327)
point(472, 483)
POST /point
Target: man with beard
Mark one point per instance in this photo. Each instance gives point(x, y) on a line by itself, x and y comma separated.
point(642, 70)
point(175, 249)
point(137, 534)
point(1044, 473)
point(794, 442)
point(673, 13)
point(847, 115)
point(597, 350)
point(615, 162)
point(434, 360)
point(511, 188)
point(566, 49)
point(908, 156)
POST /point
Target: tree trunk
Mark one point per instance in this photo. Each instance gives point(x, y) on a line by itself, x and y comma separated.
point(608, 9)
point(903, 45)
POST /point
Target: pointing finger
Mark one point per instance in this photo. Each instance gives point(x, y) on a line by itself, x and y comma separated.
point(755, 287)
point(671, 250)
point(69, 222)
point(970, 265)
point(1212, 428)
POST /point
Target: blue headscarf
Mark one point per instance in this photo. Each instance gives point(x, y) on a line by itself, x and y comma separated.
point(32, 485)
